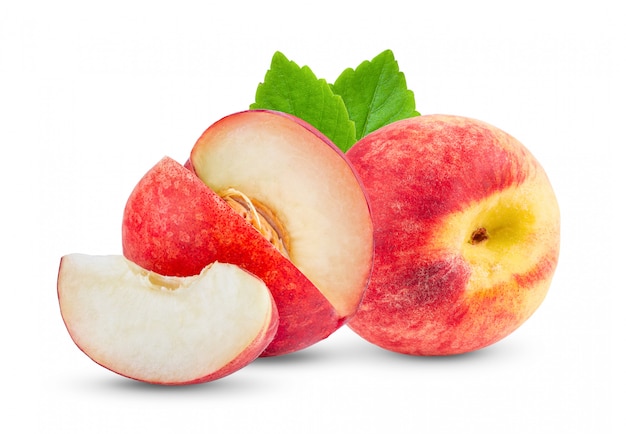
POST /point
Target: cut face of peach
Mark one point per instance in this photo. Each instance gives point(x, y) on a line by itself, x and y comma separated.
point(301, 185)
point(160, 329)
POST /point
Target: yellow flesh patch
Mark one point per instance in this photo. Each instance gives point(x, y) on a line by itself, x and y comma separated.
point(505, 234)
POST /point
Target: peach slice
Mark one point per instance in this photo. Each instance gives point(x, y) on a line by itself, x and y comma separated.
point(174, 224)
point(160, 329)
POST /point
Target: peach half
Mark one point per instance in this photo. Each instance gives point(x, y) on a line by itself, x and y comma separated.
point(273, 196)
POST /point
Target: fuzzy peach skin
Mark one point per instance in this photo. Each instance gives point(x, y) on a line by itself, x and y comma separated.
point(466, 229)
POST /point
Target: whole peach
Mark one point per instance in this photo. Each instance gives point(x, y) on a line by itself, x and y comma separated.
point(466, 230)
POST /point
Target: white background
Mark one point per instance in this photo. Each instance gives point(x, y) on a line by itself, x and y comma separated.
point(92, 94)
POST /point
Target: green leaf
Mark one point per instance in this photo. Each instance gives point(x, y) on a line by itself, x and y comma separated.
point(375, 94)
point(291, 89)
